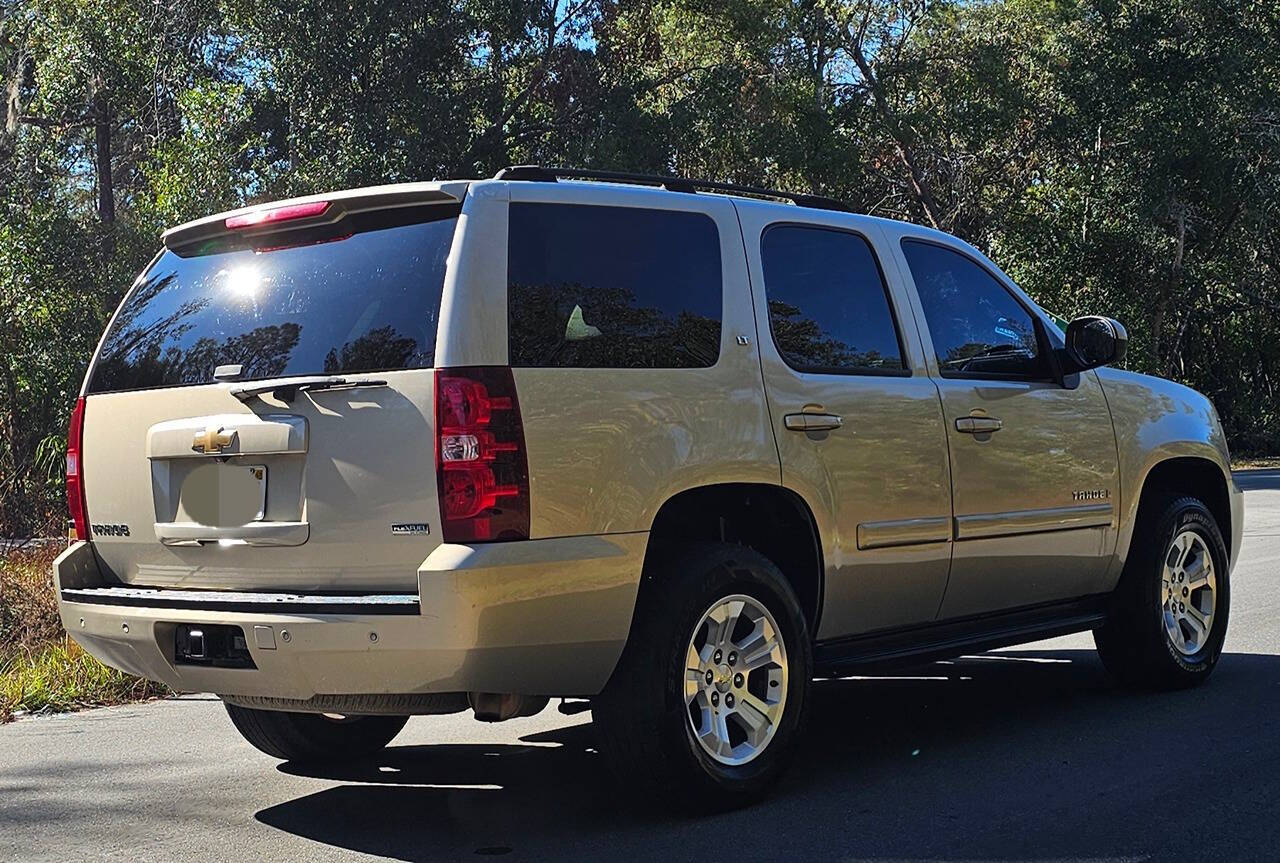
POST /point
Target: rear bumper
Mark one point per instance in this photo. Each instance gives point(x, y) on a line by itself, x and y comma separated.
point(541, 617)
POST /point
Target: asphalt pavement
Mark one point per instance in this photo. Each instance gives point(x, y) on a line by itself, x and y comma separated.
point(1023, 754)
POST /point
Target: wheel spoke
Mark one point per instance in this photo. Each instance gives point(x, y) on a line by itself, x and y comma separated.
point(721, 721)
point(1198, 630)
point(1174, 628)
point(756, 722)
point(730, 623)
point(710, 735)
point(761, 656)
point(693, 681)
point(1198, 573)
point(706, 654)
point(751, 641)
point(720, 622)
point(714, 627)
point(764, 708)
point(1184, 544)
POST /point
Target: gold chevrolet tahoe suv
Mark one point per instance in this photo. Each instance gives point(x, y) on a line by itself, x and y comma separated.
point(672, 446)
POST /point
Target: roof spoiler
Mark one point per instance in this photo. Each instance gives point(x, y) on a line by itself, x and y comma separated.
point(308, 212)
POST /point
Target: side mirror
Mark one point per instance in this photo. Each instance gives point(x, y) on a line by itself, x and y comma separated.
point(1094, 341)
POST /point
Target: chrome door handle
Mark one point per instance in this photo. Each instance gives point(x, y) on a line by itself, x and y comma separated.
point(812, 422)
point(978, 425)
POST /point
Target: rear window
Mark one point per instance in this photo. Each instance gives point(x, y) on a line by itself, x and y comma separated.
point(828, 304)
point(360, 296)
point(612, 287)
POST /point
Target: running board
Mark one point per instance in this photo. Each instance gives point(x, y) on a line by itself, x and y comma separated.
point(933, 641)
point(245, 601)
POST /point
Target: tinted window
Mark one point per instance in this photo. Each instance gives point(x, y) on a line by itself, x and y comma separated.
point(828, 307)
point(364, 302)
point(614, 287)
point(977, 326)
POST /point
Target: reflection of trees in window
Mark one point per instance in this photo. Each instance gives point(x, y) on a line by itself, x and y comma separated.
point(263, 352)
point(804, 344)
point(967, 351)
point(631, 336)
point(382, 348)
point(992, 358)
point(130, 356)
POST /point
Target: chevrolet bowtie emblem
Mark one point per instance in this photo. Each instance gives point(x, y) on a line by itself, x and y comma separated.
point(212, 439)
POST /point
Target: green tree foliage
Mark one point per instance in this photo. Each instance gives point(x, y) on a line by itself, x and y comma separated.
point(1115, 156)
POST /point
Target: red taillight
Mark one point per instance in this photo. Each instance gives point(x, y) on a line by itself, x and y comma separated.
point(277, 214)
point(481, 467)
point(75, 471)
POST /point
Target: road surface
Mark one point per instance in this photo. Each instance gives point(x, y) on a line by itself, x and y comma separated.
point(1024, 754)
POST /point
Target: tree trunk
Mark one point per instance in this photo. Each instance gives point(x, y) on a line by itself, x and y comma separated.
point(10, 457)
point(1169, 294)
point(1088, 195)
point(901, 137)
point(102, 156)
point(1175, 350)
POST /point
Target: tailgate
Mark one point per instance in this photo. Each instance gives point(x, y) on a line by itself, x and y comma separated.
point(259, 415)
point(344, 476)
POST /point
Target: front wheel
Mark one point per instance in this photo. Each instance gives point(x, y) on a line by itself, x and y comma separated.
point(314, 737)
point(1168, 619)
point(708, 699)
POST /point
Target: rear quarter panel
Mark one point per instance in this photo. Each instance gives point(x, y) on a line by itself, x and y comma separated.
point(606, 447)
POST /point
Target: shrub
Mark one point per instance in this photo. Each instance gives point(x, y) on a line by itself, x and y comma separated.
point(40, 667)
point(28, 607)
point(60, 676)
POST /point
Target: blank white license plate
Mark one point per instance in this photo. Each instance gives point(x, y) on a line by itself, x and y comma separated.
point(225, 494)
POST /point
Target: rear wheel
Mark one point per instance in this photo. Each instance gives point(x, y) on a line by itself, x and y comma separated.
point(314, 737)
point(1169, 614)
point(709, 697)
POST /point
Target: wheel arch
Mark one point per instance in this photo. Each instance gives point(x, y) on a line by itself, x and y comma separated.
point(1198, 476)
point(770, 519)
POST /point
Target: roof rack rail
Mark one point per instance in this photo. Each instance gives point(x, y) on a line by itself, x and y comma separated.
point(540, 174)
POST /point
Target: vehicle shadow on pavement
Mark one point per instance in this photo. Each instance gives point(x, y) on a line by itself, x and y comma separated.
point(1026, 755)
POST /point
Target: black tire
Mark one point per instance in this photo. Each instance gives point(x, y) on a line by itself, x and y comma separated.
point(313, 737)
point(1134, 644)
point(642, 719)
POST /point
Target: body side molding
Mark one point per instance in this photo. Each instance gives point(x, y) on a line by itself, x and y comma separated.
point(905, 531)
point(993, 524)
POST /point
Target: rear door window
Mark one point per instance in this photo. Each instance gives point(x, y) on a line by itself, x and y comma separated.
point(828, 305)
point(612, 287)
point(362, 295)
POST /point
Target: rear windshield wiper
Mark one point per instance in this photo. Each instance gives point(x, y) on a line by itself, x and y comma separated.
point(287, 389)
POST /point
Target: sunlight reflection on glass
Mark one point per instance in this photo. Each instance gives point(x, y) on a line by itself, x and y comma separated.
point(242, 282)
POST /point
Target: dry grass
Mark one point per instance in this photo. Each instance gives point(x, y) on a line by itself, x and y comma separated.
point(28, 607)
point(1253, 462)
point(40, 667)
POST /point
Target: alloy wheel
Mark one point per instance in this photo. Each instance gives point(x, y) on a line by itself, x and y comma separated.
point(1188, 591)
point(735, 685)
